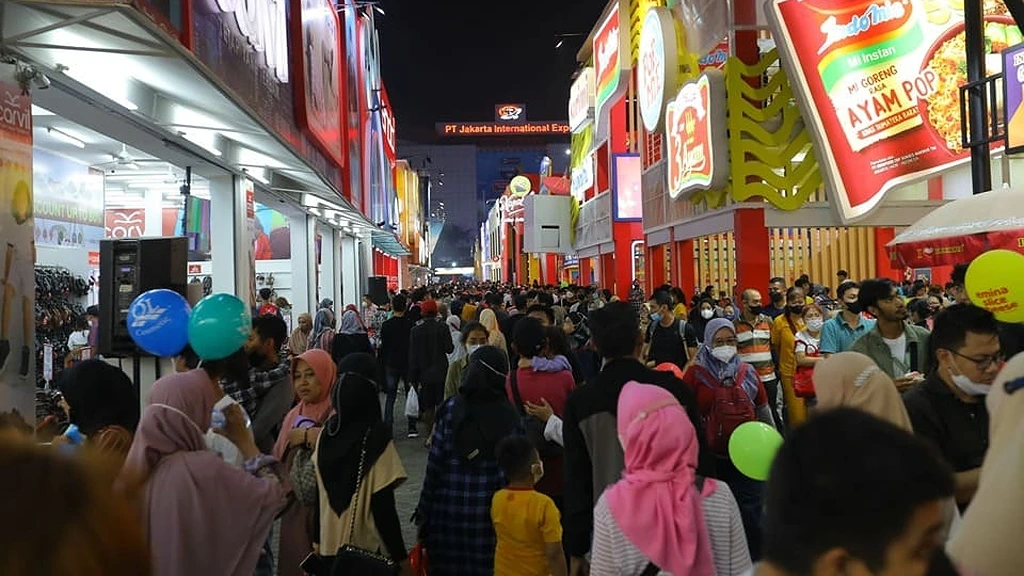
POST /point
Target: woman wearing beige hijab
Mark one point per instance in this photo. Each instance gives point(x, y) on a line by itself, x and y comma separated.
point(490, 321)
point(987, 542)
point(853, 380)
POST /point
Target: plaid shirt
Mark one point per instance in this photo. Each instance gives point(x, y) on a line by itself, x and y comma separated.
point(455, 505)
point(248, 394)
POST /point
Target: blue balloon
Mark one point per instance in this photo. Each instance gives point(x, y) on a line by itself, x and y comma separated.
point(158, 322)
point(219, 326)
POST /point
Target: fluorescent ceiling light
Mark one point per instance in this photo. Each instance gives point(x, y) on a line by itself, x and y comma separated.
point(65, 137)
point(313, 201)
point(379, 10)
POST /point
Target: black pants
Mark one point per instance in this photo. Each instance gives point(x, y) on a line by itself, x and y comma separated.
point(749, 498)
point(772, 388)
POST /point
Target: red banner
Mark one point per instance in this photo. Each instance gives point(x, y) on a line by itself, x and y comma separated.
point(951, 251)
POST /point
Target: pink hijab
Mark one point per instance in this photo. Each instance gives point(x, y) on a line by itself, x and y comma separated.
point(326, 373)
point(656, 504)
point(202, 515)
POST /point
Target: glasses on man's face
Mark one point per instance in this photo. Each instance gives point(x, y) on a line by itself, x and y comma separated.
point(983, 362)
point(725, 342)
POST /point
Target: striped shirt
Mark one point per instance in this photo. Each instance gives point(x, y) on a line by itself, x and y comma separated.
point(754, 345)
point(614, 555)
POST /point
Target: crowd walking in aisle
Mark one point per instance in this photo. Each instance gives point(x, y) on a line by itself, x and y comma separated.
point(529, 467)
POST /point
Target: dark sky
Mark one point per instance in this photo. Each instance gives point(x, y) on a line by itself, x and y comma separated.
point(446, 60)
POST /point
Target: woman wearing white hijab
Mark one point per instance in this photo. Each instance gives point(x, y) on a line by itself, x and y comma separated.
point(987, 542)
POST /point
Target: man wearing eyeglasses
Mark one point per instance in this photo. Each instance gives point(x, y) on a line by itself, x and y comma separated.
point(949, 407)
point(899, 348)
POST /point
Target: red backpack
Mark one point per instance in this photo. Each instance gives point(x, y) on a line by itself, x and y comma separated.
point(731, 406)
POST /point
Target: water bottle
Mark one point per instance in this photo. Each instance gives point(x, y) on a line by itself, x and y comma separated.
point(217, 420)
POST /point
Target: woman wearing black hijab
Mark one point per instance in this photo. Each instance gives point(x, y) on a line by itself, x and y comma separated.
point(454, 512)
point(358, 468)
point(100, 400)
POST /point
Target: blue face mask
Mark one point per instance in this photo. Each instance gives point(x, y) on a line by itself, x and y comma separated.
point(656, 317)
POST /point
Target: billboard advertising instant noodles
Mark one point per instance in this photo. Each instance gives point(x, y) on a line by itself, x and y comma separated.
point(878, 81)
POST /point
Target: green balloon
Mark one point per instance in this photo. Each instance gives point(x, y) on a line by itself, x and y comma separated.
point(752, 448)
point(219, 326)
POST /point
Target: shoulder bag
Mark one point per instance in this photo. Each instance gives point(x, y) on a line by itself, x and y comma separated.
point(352, 559)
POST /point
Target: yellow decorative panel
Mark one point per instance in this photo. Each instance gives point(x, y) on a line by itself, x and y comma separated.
point(770, 150)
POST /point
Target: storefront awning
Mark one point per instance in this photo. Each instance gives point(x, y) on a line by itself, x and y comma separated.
point(388, 243)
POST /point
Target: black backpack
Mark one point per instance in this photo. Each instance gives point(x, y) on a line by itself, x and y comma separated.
point(533, 426)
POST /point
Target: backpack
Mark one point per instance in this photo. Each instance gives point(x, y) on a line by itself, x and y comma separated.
point(731, 407)
point(682, 334)
point(533, 426)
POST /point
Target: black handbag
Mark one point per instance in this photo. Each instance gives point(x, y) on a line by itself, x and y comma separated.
point(353, 560)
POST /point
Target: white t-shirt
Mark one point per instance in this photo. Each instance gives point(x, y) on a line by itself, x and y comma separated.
point(898, 349)
point(78, 339)
point(807, 343)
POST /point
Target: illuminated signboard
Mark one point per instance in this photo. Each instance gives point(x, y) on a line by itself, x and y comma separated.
point(659, 69)
point(581, 99)
point(611, 59)
point(265, 26)
point(696, 138)
point(496, 129)
point(510, 113)
point(878, 83)
point(627, 199)
point(1013, 97)
point(317, 45)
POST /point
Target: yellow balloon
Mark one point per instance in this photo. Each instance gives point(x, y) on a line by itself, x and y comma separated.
point(995, 282)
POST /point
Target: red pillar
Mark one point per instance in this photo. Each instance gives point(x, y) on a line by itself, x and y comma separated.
point(677, 264)
point(752, 249)
point(883, 260)
point(656, 267)
point(687, 272)
point(607, 271)
point(584, 272)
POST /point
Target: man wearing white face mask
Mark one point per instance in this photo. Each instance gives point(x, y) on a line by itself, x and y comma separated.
point(949, 407)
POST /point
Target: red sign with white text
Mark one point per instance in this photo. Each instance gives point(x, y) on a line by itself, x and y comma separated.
point(695, 136)
point(387, 122)
point(316, 52)
point(125, 222)
point(609, 46)
point(878, 83)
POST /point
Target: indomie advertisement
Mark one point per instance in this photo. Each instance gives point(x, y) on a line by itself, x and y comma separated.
point(879, 83)
point(696, 138)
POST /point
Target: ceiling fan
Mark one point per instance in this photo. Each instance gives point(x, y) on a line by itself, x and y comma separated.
point(124, 161)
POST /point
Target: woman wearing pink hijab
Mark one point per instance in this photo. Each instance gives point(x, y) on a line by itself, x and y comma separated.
point(313, 374)
point(202, 515)
point(661, 518)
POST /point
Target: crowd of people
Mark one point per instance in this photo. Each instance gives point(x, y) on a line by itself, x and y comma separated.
point(567, 432)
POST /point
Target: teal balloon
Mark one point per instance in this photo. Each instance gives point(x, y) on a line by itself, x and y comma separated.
point(752, 449)
point(219, 326)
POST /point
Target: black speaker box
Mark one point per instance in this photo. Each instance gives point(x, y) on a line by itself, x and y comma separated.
point(129, 267)
point(378, 289)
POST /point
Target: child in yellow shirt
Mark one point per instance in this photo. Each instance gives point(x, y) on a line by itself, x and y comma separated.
point(527, 523)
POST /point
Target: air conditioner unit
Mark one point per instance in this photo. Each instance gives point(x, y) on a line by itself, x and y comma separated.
point(546, 224)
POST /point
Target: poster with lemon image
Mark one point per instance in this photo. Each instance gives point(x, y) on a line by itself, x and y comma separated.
point(17, 249)
point(878, 82)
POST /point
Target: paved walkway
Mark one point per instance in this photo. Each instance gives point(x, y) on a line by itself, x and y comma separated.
point(414, 458)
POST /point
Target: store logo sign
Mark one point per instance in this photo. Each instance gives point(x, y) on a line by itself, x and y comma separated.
point(581, 99)
point(264, 25)
point(858, 24)
point(658, 74)
point(15, 112)
point(582, 179)
point(509, 113)
point(520, 186)
point(387, 124)
point(696, 136)
point(609, 47)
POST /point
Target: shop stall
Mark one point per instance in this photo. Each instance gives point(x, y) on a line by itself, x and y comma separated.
point(189, 119)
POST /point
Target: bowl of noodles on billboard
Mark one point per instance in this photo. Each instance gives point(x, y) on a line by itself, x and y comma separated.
point(947, 57)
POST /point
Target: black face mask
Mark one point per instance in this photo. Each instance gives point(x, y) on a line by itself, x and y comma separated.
point(853, 307)
point(755, 310)
point(798, 309)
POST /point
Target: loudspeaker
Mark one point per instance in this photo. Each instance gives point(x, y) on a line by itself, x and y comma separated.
point(378, 289)
point(129, 267)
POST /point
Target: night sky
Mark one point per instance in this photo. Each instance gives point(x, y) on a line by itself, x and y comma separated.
point(446, 60)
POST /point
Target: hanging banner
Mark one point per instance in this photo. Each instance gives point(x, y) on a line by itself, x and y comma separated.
point(68, 202)
point(695, 137)
point(611, 60)
point(17, 363)
point(878, 83)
